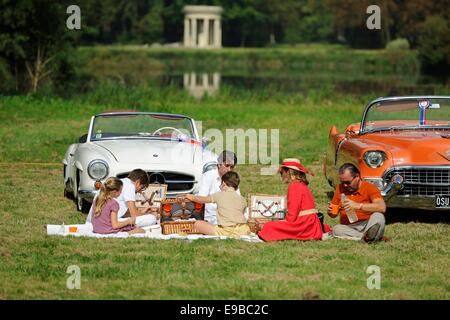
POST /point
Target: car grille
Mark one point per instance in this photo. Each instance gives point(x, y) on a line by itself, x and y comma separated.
point(176, 182)
point(422, 181)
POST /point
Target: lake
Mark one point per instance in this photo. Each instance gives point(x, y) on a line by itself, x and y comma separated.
point(328, 69)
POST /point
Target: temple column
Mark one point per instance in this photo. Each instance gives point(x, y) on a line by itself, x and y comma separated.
point(186, 32)
point(206, 32)
point(194, 32)
point(217, 34)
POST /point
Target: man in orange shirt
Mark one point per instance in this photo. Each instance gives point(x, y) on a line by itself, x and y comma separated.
point(362, 198)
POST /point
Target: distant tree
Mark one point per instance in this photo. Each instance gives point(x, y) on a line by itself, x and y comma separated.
point(434, 45)
point(411, 14)
point(245, 24)
point(150, 26)
point(307, 21)
point(173, 17)
point(32, 34)
point(282, 17)
point(350, 19)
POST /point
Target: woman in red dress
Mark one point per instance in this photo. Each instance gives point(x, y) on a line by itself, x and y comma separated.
point(302, 222)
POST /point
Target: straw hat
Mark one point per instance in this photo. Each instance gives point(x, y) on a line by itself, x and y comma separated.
point(293, 163)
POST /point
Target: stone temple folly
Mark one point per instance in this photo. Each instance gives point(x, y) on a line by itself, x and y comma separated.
point(202, 27)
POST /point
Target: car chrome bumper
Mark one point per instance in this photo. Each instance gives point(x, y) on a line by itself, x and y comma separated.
point(394, 200)
point(414, 202)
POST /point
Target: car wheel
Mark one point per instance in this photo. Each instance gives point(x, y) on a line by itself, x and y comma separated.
point(66, 194)
point(82, 205)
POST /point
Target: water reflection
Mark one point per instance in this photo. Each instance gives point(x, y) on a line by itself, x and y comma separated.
point(201, 84)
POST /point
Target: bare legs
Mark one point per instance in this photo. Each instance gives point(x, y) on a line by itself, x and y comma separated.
point(136, 230)
point(205, 227)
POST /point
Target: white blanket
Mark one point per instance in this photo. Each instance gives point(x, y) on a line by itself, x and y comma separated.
point(151, 232)
point(141, 221)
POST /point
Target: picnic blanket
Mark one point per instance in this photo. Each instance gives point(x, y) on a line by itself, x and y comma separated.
point(151, 232)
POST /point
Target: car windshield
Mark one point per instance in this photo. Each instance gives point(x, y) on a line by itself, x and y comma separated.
point(408, 114)
point(141, 126)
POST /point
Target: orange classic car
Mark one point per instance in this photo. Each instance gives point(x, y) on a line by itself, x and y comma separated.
point(401, 145)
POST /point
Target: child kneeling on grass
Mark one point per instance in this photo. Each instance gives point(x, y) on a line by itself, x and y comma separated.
point(230, 209)
point(106, 209)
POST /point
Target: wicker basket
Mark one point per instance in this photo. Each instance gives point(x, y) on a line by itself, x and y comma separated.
point(256, 224)
point(181, 209)
point(181, 227)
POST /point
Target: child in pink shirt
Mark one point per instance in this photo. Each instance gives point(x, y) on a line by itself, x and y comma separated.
point(106, 209)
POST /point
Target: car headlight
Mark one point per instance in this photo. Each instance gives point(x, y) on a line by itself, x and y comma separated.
point(98, 169)
point(374, 159)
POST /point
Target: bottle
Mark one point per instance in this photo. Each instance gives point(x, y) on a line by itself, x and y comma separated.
point(351, 214)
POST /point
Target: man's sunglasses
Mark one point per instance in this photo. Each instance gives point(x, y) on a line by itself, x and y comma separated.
point(347, 183)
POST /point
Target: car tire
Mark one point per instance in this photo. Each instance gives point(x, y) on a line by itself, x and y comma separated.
point(68, 195)
point(82, 205)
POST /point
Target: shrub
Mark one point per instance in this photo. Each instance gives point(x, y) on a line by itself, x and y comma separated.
point(400, 43)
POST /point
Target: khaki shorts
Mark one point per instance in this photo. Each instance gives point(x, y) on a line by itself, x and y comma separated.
point(234, 231)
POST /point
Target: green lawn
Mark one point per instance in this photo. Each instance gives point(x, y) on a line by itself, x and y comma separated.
point(35, 132)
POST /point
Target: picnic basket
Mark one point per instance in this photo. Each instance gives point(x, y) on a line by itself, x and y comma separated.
point(179, 227)
point(176, 209)
point(256, 224)
point(178, 214)
point(264, 208)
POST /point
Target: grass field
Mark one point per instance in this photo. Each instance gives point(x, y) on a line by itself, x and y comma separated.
point(35, 132)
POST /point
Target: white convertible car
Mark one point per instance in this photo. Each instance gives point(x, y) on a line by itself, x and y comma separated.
point(166, 146)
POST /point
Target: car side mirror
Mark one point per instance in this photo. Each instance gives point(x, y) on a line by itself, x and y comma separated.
point(83, 138)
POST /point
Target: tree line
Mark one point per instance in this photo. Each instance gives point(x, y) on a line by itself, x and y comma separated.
point(262, 22)
point(32, 33)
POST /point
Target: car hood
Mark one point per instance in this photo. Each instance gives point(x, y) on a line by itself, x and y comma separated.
point(149, 151)
point(407, 147)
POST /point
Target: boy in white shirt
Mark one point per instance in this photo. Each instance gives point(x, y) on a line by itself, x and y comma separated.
point(136, 181)
point(212, 179)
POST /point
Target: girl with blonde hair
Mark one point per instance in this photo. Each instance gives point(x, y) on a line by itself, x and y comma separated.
point(105, 218)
